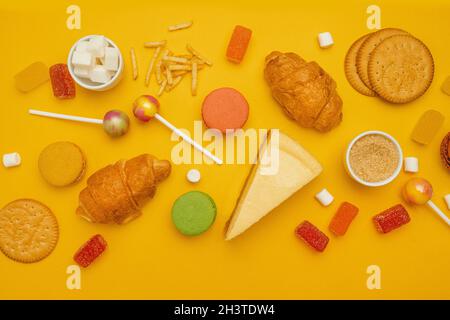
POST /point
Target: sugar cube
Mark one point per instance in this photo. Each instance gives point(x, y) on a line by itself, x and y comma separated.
point(100, 74)
point(111, 59)
point(82, 72)
point(325, 39)
point(324, 197)
point(411, 164)
point(97, 46)
point(82, 59)
point(82, 46)
point(11, 159)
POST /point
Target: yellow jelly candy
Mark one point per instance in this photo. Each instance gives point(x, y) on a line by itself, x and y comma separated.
point(427, 127)
point(31, 77)
point(446, 86)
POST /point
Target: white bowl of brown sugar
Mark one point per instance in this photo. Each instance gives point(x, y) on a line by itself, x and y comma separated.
point(374, 158)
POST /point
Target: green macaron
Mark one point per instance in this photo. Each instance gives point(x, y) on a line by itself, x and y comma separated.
point(193, 213)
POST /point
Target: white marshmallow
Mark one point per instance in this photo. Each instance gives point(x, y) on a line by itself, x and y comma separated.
point(447, 200)
point(100, 74)
point(82, 59)
point(111, 60)
point(325, 39)
point(411, 164)
point(324, 197)
point(82, 72)
point(11, 159)
point(193, 176)
point(97, 46)
point(82, 46)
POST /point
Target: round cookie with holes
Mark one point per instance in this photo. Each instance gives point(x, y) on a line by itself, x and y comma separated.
point(28, 231)
point(367, 47)
point(351, 71)
point(401, 69)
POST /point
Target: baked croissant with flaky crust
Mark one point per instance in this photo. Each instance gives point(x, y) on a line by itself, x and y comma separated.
point(116, 193)
point(304, 90)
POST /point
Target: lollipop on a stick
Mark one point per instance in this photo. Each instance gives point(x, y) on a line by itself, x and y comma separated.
point(419, 191)
point(115, 122)
point(146, 107)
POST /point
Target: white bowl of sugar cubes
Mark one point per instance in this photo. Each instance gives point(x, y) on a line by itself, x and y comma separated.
point(95, 63)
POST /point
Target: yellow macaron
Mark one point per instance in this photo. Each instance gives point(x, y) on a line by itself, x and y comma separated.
point(62, 163)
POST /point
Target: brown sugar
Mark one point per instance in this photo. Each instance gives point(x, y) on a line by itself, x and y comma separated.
point(374, 158)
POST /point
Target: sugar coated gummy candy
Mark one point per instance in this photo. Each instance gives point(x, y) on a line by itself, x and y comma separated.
point(62, 83)
point(343, 218)
point(312, 236)
point(446, 86)
point(90, 251)
point(31, 77)
point(238, 44)
point(391, 219)
point(427, 126)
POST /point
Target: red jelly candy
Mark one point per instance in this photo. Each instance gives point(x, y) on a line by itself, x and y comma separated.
point(90, 251)
point(342, 219)
point(312, 236)
point(62, 83)
point(391, 219)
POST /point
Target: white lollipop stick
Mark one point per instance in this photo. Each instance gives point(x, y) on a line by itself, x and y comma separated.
point(187, 138)
point(64, 116)
point(438, 211)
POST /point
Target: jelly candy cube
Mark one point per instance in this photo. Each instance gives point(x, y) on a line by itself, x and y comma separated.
point(391, 219)
point(343, 218)
point(62, 83)
point(93, 248)
point(427, 126)
point(238, 44)
point(312, 236)
point(31, 77)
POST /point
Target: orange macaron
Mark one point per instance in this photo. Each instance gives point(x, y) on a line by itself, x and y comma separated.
point(225, 109)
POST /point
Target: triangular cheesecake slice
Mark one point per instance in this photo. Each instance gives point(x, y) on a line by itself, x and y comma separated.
point(263, 190)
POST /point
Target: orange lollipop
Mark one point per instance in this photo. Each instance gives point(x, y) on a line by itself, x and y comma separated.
point(419, 191)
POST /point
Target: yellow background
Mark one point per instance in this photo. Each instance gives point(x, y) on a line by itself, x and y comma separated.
point(148, 258)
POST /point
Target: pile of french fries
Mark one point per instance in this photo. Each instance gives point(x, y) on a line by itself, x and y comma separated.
point(170, 69)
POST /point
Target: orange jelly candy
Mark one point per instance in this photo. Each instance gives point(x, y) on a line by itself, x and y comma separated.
point(343, 218)
point(62, 83)
point(238, 44)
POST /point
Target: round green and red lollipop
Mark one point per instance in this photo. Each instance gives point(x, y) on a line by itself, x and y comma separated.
point(115, 122)
point(419, 191)
point(146, 107)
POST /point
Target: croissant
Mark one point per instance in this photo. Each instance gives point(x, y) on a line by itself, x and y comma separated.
point(116, 193)
point(304, 90)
